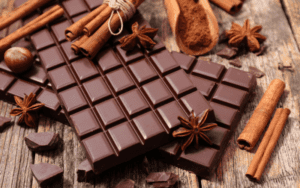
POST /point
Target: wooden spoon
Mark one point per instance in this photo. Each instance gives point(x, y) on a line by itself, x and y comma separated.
point(173, 16)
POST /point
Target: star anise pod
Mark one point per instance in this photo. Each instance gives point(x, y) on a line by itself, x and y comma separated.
point(237, 35)
point(194, 128)
point(143, 35)
point(27, 109)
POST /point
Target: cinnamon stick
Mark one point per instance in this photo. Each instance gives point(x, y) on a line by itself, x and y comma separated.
point(76, 45)
point(52, 14)
point(230, 6)
point(261, 115)
point(93, 25)
point(76, 29)
point(96, 41)
point(267, 145)
point(20, 12)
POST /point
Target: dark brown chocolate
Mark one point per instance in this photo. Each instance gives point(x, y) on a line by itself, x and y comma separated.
point(45, 174)
point(4, 122)
point(85, 171)
point(236, 62)
point(228, 91)
point(256, 72)
point(42, 141)
point(128, 183)
point(137, 94)
point(162, 179)
point(227, 52)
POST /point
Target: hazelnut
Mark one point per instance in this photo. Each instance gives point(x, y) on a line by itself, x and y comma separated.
point(18, 59)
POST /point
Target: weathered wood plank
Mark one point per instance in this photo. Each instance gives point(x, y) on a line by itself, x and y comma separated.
point(292, 8)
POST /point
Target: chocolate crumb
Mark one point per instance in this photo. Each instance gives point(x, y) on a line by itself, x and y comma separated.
point(162, 179)
point(222, 37)
point(85, 172)
point(258, 73)
point(4, 122)
point(236, 62)
point(261, 50)
point(227, 52)
point(42, 141)
point(283, 67)
point(127, 183)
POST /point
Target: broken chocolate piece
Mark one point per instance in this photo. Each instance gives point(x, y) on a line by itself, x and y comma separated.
point(227, 52)
point(42, 141)
point(162, 179)
point(236, 62)
point(4, 122)
point(223, 37)
point(283, 67)
point(127, 183)
point(256, 72)
point(261, 50)
point(85, 171)
point(45, 173)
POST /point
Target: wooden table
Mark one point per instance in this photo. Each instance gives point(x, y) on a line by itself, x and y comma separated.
point(281, 24)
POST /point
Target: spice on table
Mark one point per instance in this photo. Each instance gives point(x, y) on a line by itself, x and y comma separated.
point(42, 141)
point(162, 179)
point(4, 121)
point(267, 144)
point(142, 36)
point(127, 183)
point(20, 12)
point(230, 6)
point(227, 52)
point(283, 67)
point(255, 71)
point(39, 22)
point(261, 115)
point(194, 128)
point(238, 35)
point(236, 62)
point(261, 50)
point(27, 109)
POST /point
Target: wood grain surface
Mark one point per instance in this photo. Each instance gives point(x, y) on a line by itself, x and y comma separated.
point(281, 24)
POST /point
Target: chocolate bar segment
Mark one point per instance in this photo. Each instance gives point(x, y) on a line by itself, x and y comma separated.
point(228, 91)
point(117, 94)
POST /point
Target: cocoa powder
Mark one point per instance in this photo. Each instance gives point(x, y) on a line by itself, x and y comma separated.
point(193, 25)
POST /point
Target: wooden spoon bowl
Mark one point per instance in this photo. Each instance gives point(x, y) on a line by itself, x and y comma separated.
point(173, 16)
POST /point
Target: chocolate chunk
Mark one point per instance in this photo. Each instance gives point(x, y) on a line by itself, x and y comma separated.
point(85, 171)
point(127, 183)
point(4, 122)
point(45, 173)
point(261, 50)
point(283, 67)
point(223, 37)
point(42, 141)
point(236, 62)
point(255, 71)
point(162, 179)
point(227, 52)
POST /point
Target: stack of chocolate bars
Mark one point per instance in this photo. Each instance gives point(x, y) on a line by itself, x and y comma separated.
point(124, 104)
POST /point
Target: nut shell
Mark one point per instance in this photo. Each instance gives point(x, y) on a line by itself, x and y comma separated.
point(18, 59)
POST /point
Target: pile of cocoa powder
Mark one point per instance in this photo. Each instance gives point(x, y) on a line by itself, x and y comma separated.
point(193, 25)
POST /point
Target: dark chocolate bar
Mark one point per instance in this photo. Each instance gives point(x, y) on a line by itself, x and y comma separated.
point(228, 91)
point(121, 104)
point(32, 81)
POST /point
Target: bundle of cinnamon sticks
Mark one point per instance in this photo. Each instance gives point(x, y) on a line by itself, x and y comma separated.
point(257, 123)
point(39, 22)
point(92, 31)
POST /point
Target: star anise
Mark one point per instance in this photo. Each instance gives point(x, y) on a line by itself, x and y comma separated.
point(237, 35)
point(194, 128)
point(143, 35)
point(27, 109)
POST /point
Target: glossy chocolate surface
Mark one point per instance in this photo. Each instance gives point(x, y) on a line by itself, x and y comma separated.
point(228, 92)
point(118, 102)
